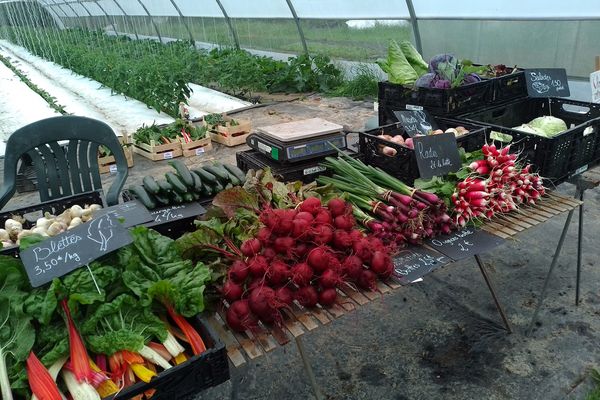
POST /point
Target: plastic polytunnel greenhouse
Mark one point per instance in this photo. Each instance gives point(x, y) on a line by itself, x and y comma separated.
point(328, 199)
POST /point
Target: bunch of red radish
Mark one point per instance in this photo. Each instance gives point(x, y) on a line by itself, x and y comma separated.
point(301, 254)
point(498, 185)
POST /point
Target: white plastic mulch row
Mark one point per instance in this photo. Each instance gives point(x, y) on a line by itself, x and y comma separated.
point(19, 105)
point(80, 95)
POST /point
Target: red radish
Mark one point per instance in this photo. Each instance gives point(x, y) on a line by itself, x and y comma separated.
point(238, 272)
point(336, 206)
point(366, 280)
point(251, 247)
point(300, 250)
point(239, 317)
point(322, 234)
point(269, 253)
point(264, 304)
point(335, 264)
point(256, 283)
point(284, 295)
point(300, 228)
point(327, 297)
point(258, 266)
point(278, 272)
point(310, 205)
point(232, 291)
point(323, 216)
point(283, 245)
point(264, 234)
point(342, 240)
point(330, 279)
point(301, 274)
point(318, 259)
point(352, 267)
point(362, 249)
point(307, 296)
point(306, 216)
point(345, 222)
point(476, 195)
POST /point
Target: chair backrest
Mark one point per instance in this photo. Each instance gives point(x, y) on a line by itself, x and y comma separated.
point(63, 171)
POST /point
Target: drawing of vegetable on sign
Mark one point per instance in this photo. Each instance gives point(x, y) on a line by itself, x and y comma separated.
point(100, 231)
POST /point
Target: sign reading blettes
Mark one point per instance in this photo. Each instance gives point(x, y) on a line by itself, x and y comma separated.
point(416, 122)
point(547, 82)
point(414, 262)
point(61, 254)
point(437, 155)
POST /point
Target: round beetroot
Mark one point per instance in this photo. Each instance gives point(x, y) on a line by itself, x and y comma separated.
point(345, 222)
point(367, 280)
point(330, 279)
point(352, 267)
point(257, 266)
point(251, 247)
point(380, 262)
point(264, 235)
point(300, 250)
point(336, 206)
point(306, 216)
point(239, 317)
point(307, 296)
point(301, 274)
point(318, 259)
point(232, 291)
point(238, 272)
point(342, 240)
point(327, 297)
point(262, 302)
point(356, 235)
point(278, 273)
point(283, 245)
point(362, 249)
point(255, 283)
point(300, 229)
point(269, 253)
point(323, 217)
point(322, 234)
point(284, 295)
point(310, 205)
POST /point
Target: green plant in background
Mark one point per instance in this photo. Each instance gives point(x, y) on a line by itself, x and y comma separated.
point(363, 85)
point(594, 394)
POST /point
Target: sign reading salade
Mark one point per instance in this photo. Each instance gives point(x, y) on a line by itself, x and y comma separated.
point(547, 82)
point(61, 254)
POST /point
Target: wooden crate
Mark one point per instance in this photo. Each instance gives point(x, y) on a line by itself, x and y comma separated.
point(157, 152)
point(196, 148)
point(107, 164)
point(230, 135)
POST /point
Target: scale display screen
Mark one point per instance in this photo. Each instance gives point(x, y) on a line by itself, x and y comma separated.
point(315, 148)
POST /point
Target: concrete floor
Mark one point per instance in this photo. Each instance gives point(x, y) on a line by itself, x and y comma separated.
point(438, 339)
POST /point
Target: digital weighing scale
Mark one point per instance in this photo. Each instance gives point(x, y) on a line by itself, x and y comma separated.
point(298, 140)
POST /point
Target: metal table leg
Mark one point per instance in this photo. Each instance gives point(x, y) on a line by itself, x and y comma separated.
point(554, 262)
point(308, 369)
point(579, 239)
point(490, 286)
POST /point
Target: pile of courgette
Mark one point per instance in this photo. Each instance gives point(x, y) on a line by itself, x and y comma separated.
point(184, 185)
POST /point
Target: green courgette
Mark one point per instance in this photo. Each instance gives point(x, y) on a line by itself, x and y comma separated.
point(165, 186)
point(187, 197)
point(233, 169)
point(174, 180)
point(207, 190)
point(143, 196)
point(176, 197)
point(205, 175)
point(220, 173)
point(162, 199)
point(217, 187)
point(150, 185)
point(197, 182)
point(183, 172)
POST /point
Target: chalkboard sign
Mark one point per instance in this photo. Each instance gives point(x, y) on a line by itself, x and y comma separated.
point(547, 82)
point(416, 122)
point(437, 155)
point(61, 254)
point(175, 213)
point(465, 243)
point(415, 262)
point(131, 213)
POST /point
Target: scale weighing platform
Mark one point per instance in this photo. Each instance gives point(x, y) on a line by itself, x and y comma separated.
point(298, 140)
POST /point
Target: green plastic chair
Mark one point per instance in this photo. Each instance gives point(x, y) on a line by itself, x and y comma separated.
point(63, 171)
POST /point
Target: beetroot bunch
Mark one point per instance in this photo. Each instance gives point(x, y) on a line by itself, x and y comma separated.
point(498, 185)
point(301, 254)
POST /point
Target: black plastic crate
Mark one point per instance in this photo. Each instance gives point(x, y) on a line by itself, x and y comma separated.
point(509, 87)
point(444, 102)
point(403, 165)
point(305, 171)
point(198, 373)
point(557, 158)
point(55, 207)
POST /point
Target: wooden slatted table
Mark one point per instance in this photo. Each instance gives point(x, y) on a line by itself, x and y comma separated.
point(242, 347)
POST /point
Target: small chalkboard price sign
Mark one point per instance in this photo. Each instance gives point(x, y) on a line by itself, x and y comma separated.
point(61, 254)
point(416, 122)
point(175, 213)
point(437, 155)
point(415, 262)
point(465, 243)
point(547, 82)
point(131, 213)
